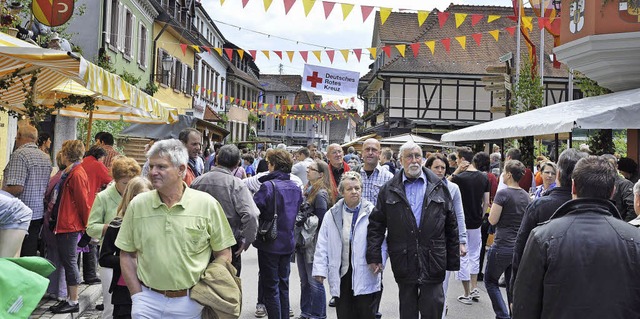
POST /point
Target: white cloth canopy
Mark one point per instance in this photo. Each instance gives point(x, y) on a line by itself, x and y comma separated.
point(403, 138)
point(620, 110)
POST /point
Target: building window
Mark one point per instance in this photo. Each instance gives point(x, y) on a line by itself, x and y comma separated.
point(142, 46)
point(261, 122)
point(129, 34)
point(176, 75)
point(300, 126)
point(163, 76)
point(278, 124)
point(112, 28)
point(281, 99)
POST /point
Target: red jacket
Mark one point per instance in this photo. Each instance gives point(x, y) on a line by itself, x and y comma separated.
point(334, 185)
point(98, 176)
point(73, 212)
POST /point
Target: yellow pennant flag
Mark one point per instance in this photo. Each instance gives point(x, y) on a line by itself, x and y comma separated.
point(266, 53)
point(313, 106)
point(231, 99)
point(384, 14)
point(267, 4)
point(495, 34)
point(219, 95)
point(300, 107)
point(373, 52)
point(219, 50)
point(289, 107)
point(254, 104)
point(197, 48)
point(221, 2)
point(401, 48)
point(345, 54)
point(431, 45)
point(278, 107)
point(308, 5)
point(460, 17)
point(317, 54)
point(346, 9)
point(463, 41)
point(240, 53)
point(527, 22)
point(422, 17)
point(290, 54)
point(492, 18)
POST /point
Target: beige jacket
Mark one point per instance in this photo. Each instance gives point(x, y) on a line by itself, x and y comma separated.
point(219, 290)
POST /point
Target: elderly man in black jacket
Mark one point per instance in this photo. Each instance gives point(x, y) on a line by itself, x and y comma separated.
point(583, 262)
point(416, 211)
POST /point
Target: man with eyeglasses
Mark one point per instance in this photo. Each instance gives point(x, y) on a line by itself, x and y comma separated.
point(415, 215)
point(337, 166)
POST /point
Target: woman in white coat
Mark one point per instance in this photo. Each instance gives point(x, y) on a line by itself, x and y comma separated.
point(341, 249)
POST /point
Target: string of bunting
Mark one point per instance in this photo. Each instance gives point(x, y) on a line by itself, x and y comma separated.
point(401, 48)
point(366, 11)
point(325, 117)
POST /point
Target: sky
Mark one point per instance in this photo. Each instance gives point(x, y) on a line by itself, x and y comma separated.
point(235, 23)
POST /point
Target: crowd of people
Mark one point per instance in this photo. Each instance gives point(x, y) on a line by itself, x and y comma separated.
point(158, 231)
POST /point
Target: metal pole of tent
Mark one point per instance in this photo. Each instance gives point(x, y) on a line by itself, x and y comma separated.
point(557, 148)
point(88, 141)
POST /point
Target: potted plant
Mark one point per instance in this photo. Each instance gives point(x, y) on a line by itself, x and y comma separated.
point(10, 18)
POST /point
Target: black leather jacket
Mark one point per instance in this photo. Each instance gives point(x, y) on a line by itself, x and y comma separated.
point(583, 263)
point(418, 255)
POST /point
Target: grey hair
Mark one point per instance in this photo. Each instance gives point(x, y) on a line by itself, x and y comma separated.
point(281, 146)
point(171, 148)
point(636, 188)
point(228, 156)
point(349, 176)
point(496, 157)
point(409, 145)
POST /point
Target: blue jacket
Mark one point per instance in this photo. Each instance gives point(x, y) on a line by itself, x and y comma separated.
point(289, 199)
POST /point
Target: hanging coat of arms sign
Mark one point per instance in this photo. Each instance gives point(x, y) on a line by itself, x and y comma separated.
point(52, 13)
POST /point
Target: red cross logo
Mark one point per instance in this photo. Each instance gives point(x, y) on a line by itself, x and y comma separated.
point(314, 79)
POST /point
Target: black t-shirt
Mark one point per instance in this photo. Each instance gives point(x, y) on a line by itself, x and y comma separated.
point(514, 203)
point(473, 185)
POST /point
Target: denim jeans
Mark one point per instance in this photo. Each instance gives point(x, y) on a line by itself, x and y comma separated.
point(313, 301)
point(498, 262)
point(274, 279)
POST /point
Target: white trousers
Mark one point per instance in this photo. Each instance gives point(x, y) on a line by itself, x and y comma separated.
point(106, 274)
point(149, 304)
point(470, 263)
point(445, 287)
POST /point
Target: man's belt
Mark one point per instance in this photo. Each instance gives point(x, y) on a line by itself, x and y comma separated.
point(170, 293)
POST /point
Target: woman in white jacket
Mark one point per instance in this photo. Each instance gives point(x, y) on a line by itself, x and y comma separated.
point(341, 249)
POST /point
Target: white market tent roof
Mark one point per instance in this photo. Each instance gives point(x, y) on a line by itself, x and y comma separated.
point(620, 110)
point(403, 138)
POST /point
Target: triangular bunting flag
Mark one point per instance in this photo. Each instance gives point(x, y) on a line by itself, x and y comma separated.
point(266, 53)
point(252, 53)
point(277, 107)
point(527, 23)
point(278, 53)
point(208, 49)
point(240, 53)
point(267, 4)
point(328, 7)
point(287, 5)
point(183, 46)
point(317, 54)
point(384, 14)
point(196, 48)
point(431, 45)
point(231, 99)
point(229, 53)
point(511, 30)
point(254, 104)
point(422, 17)
point(346, 9)
point(290, 54)
point(221, 2)
point(242, 102)
point(492, 18)
point(300, 106)
point(442, 18)
point(460, 17)
point(475, 18)
point(463, 41)
point(542, 22)
point(387, 50)
point(345, 54)
point(401, 48)
point(358, 53)
point(219, 50)
point(308, 5)
point(373, 52)
point(366, 11)
point(495, 34)
point(477, 37)
point(244, 3)
point(415, 48)
point(330, 54)
point(304, 55)
point(447, 43)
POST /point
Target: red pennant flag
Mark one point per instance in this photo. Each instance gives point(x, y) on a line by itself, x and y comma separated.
point(353, 99)
point(513, 18)
point(208, 49)
point(366, 11)
point(475, 18)
point(447, 43)
point(387, 50)
point(358, 53)
point(287, 5)
point(278, 53)
point(244, 3)
point(306, 106)
point(304, 55)
point(229, 53)
point(477, 37)
point(328, 7)
point(442, 18)
point(331, 54)
point(542, 22)
point(415, 47)
point(183, 46)
point(204, 90)
point(511, 30)
point(252, 53)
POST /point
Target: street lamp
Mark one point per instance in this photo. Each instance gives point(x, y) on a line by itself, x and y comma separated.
point(557, 4)
point(167, 62)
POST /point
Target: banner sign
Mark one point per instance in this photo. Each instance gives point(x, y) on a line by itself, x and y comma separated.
point(318, 79)
point(52, 13)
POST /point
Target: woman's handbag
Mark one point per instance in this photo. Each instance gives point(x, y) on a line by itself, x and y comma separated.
point(268, 228)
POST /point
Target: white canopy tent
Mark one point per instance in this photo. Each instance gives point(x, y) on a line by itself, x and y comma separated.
point(620, 110)
point(403, 138)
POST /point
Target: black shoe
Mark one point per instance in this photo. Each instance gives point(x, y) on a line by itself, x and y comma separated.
point(66, 308)
point(57, 305)
point(93, 281)
point(100, 307)
point(332, 302)
point(480, 277)
point(378, 315)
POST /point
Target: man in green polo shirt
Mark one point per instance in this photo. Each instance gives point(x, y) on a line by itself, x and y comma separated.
point(167, 238)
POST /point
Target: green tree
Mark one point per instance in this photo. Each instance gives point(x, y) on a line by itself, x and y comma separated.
point(601, 141)
point(527, 95)
point(113, 127)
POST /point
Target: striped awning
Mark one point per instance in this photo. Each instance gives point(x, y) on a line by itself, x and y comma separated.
point(61, 74)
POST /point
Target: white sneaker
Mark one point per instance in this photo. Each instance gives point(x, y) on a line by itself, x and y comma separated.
point(475, 294)
point(261, 311)
point(465, 300)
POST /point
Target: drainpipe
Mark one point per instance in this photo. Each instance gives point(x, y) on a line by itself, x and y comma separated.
point(155, 51)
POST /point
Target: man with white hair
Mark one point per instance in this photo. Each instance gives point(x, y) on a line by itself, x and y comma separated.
point(167, 238)
point(415, 214)
point(636, 204)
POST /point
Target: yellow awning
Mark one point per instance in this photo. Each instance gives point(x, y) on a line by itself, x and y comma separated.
point(62, 75)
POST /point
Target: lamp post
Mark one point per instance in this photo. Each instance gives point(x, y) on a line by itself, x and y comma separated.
point(557, 4)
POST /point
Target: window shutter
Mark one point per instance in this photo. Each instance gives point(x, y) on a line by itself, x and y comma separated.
point(121, 27)
point(139, 45)
point(183, 79)
point(132, 36)
point(189, 81)
point(159, 71)
point(107, 24)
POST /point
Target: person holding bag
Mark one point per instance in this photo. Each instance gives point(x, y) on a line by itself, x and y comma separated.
point(319, 199)
point(278, 199)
